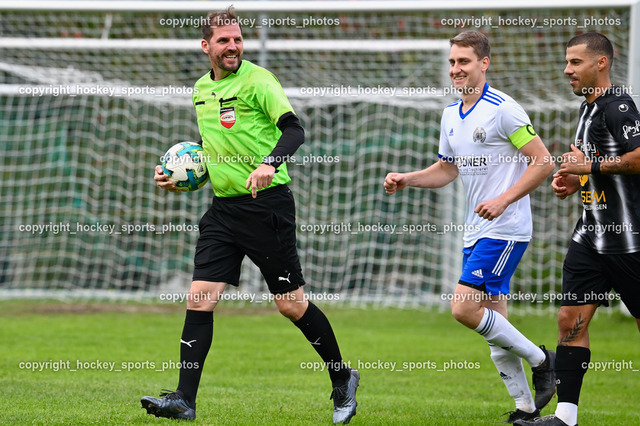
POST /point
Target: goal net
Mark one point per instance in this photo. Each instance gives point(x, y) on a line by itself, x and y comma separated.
point(93, 93)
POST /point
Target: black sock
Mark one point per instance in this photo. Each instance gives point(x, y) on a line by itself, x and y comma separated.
point(194, 347)
point(316, 328)
point(572, 363)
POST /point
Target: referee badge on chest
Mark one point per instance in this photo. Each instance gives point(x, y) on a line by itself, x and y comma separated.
point(479, 135)
point(227, 117)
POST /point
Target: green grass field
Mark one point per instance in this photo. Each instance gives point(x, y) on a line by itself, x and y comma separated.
point(254, 375)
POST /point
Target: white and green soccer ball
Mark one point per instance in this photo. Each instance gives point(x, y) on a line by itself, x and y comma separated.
point(184, 163)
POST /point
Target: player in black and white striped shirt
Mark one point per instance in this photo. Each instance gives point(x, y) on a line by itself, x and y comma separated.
point(604, 165)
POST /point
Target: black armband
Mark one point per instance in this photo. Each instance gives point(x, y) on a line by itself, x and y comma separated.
point(290, 140)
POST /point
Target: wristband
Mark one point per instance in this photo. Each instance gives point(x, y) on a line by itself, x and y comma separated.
point(271, 161)
point(595, 167)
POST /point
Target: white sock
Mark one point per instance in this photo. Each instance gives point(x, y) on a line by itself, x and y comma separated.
point(567, 412)
point(509, 366)
point(498, 330)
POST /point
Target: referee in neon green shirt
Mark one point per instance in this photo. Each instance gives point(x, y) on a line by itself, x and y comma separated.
point(248, 130)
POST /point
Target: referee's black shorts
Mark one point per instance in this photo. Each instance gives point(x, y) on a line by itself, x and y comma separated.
point(263, 228)
point(589, 276)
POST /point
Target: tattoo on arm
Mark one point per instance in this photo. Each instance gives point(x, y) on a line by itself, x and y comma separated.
point(618, 168)
point(574, 333)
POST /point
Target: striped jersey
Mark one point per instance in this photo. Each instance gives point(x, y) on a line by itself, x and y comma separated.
point(610, 222)
point(484, 143)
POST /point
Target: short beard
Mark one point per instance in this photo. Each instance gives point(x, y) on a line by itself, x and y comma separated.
point(221, 65)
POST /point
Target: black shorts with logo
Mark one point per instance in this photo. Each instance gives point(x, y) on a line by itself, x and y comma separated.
point(588, 277)
point(263, 228)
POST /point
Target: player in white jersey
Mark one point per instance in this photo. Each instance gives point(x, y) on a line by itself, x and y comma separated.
point(484, 143)
point(487, 139)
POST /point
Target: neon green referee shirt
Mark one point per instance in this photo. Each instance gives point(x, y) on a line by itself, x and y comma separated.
point(237, 119)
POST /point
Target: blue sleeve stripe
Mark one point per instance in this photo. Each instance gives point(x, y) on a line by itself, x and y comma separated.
point(492, 102)
point(494, 98)
point(495, 95)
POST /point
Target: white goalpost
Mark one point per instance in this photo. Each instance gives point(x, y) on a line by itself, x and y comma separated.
point(93, 93)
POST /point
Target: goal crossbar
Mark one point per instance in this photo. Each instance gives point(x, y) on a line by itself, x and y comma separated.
point(194, 44)
point(302, 6)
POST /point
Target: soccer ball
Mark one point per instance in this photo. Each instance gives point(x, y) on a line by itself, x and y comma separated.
point(184, 164)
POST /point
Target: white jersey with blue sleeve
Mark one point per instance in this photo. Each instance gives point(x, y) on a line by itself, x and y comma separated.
point(484, 143)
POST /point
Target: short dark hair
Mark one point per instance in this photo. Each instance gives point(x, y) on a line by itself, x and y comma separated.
point(219, 19)
point(475, 39)
point(597, 44)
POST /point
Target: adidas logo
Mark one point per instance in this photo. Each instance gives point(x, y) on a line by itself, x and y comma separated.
point(451, 132)
point(478, 273)
point(505, 376)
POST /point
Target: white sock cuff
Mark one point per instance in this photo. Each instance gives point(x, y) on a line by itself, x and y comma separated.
point(567, 412)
